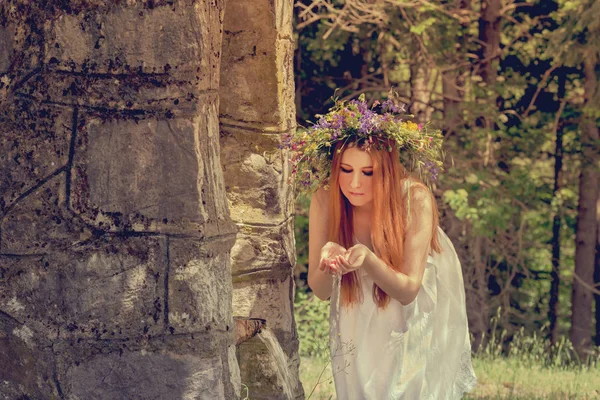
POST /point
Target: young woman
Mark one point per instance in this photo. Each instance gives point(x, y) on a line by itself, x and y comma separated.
point(398, 317)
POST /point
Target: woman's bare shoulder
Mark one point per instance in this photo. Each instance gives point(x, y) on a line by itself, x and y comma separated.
point(418, 195)
point(416, 188)
point(320, 198)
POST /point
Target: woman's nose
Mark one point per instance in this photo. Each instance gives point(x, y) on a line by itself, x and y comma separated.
point(355, 182)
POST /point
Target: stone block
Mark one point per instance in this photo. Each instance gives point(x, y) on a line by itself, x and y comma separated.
point(40, 223)
point(262, 382)
point(254, 53)
point(263, 252)
point(178, 40)
point(258, 190)
point(145, 375)
point(152, 175)
point(25, 372)
point(159, 95)
point(148, 166)
point(7, 44)
point(270, 299)
point(266, 17)
point(108, 289)
point(199, 285)
point(34, 145)
point(284, 51)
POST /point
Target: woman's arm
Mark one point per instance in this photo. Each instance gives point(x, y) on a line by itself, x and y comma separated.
point(319, 281)
point(404, 286)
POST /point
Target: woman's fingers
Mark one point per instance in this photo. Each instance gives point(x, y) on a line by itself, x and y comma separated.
point(342, 263)
point(329, 266)
point(329, 254)
point(334, 268)
point(346, 258)
point(352, 256)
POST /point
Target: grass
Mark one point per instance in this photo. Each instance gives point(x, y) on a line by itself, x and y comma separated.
point(501, 378)
point(315, 370)
point(525, 367)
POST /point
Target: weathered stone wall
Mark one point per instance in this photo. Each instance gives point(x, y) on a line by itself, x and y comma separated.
point(257, 106)
point(115, 234)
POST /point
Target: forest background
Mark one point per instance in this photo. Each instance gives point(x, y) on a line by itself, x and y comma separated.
point(514, 87)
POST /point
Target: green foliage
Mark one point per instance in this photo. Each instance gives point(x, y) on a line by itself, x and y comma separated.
point(423, 25)
point(312, 324)
point(301, 236)
point(501, 127)
point(458, 200)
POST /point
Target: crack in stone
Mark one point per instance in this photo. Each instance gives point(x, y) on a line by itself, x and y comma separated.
point(26, 78)
point(7, 320)
point(28, 255)
point(100, 75)
point(167, 270)
point(251, 271)
point(277, 268)
point(71, 155)
point(98, 109)
point(264, 225)
point(58, 386)
point(265, 130)
point(31, 190)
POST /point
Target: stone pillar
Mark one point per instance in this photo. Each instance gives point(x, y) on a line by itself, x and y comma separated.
point(115, 234)
point(257, 106)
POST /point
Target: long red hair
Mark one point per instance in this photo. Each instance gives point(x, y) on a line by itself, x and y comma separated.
point(390, 207)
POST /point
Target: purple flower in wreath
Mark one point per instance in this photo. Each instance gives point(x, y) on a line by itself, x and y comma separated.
point(432, 169)
point(368, 122)
point(338, 122)
point(362, 106)
point(392, 106)
point(322, 124)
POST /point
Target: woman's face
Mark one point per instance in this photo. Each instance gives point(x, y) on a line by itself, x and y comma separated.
point(356, 177)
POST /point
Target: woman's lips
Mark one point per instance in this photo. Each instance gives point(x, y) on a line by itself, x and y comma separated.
point(356, 194)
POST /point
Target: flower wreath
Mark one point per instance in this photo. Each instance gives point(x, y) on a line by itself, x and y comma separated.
point(312, 149)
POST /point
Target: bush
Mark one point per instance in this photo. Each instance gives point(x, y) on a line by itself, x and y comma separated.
point(312, 323)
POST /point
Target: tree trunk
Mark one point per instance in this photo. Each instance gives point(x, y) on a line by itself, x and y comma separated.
point(556, 223)
point(480, 320)
point(586, 236)
point(489, 37)
point(420, 95)
point(452, 106)
point(597, 274)
point(453, 80)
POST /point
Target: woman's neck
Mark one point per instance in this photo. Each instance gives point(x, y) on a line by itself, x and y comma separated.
point(362, 218)
point(361, 229)
point(365, 209)
point(364, 212)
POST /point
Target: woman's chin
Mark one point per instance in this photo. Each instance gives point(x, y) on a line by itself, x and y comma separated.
point(358, 202)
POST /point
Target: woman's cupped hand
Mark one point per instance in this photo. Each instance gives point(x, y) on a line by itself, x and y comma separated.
point(335, 259)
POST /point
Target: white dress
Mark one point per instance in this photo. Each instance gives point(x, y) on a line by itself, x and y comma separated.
point(418, 351)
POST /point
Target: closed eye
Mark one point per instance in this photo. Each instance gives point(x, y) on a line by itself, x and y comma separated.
point(365, 173)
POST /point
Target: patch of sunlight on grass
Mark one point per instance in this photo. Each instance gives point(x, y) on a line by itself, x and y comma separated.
point(497, 380)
